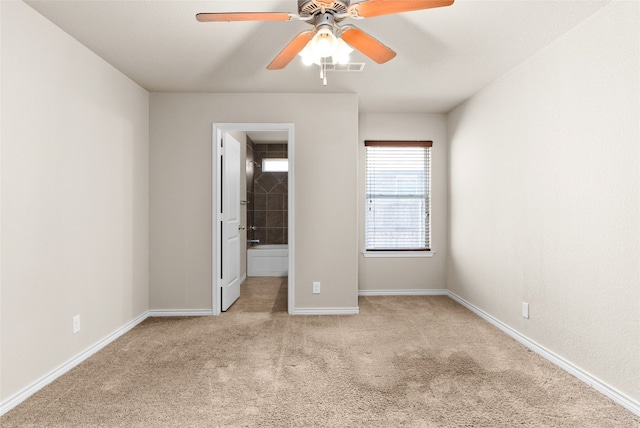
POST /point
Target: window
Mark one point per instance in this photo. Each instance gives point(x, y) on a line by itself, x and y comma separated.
point(397, 190)
point(275, 165)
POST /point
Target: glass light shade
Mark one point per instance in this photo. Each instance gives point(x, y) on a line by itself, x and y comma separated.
point(341, 53)
point(341, 59)
point(308, 56)
point(308, 60)
point(324, 43)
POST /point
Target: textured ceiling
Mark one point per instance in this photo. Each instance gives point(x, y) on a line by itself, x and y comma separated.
point(445, 55)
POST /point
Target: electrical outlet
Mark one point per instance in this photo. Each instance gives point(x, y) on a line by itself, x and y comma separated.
point(76, 324)
point(525, 310)
point(316, 288)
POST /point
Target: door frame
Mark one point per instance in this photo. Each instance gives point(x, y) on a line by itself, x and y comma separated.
point(216, 178)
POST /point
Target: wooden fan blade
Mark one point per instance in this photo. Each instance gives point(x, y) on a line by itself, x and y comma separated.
point(243, 16)
point(291, 50)
point(366, 44)
point(371, 8)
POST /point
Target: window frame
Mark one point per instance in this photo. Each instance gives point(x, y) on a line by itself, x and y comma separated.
point(400, 252)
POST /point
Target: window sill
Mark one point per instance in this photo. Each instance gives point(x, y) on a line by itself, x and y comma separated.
point(397, 254)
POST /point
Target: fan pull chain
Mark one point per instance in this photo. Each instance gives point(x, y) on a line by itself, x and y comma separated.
point(323, 71)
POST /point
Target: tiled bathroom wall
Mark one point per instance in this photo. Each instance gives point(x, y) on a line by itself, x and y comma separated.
point(270, 197)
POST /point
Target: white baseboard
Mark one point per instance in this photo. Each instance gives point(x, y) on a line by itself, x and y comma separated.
point(411, 292)
point(20, 396)
point(585, 377)
point(325, 311)
point(626, 402)
point(180, 313)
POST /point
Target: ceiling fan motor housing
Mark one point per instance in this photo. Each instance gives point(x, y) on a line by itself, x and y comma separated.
point(313, 7)
point(324, 20)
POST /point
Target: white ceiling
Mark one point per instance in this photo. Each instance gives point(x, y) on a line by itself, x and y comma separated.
point(445, 55)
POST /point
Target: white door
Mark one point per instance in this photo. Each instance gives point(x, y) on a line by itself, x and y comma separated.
point(230, 251)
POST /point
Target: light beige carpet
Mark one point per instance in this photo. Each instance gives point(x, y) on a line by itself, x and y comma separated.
point(403, 362)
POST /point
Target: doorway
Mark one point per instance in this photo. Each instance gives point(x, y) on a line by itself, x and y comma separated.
point(224, 181)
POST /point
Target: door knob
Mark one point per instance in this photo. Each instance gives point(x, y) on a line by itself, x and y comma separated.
point(241, 227)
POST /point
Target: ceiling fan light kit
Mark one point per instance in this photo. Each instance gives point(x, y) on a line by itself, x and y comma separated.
point(322, 46)
point(329, 38)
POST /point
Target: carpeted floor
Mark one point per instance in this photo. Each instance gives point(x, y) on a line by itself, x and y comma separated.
point(403, 362)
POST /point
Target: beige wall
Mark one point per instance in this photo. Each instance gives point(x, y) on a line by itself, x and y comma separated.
point(325, 160)
point(74, 197)
point(544, 197)
point(395, 274)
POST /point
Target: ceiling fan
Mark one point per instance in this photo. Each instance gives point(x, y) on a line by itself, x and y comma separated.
point(328, 36)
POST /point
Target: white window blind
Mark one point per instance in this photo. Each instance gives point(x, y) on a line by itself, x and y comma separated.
point(397, 189)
